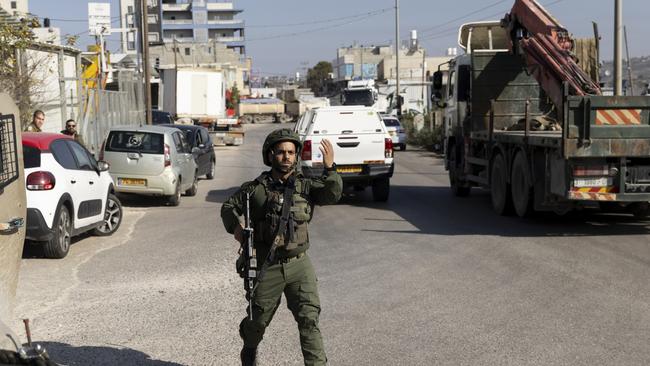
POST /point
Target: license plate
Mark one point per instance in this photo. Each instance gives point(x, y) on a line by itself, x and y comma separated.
point(348, 169)
point(131, 182)
point(593, 182)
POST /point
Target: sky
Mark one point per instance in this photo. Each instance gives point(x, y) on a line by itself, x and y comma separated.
point(286, 36)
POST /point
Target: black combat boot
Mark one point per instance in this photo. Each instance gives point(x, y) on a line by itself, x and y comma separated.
point(248, 356)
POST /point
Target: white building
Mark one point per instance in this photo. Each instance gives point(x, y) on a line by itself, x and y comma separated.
point(16, 8)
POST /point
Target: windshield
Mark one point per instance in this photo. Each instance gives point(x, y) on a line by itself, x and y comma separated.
point(390, 122)
point(358, 97)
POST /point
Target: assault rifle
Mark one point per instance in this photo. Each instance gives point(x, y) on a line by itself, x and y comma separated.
point(250, 273)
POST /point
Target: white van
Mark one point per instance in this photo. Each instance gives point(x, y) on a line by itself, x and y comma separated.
point(363, 150)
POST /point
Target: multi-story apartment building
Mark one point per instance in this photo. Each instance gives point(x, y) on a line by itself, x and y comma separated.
point(15, 8)
point(186, 21)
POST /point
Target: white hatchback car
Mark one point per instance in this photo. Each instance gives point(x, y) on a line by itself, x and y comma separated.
point(68, 192)
point(396, 131)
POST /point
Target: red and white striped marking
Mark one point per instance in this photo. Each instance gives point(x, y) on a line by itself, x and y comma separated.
point(591, 196)
point(618, 117)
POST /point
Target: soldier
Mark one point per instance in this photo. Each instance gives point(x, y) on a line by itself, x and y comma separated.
point(38, 119)
point(290, 270)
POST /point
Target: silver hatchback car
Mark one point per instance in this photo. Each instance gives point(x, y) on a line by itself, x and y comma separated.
point(150, 160)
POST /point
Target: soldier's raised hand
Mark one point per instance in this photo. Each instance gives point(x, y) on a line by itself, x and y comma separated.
point(327, 150)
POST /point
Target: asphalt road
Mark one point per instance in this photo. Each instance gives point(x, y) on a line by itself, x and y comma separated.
point(425, 279)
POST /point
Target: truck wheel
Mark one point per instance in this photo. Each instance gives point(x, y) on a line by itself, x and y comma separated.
point(380, 189)
point(520, 186)
point(457, 186)
point(499, 187)
point(59, 245)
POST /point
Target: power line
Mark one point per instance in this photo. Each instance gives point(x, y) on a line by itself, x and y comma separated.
point(429, 29)
point(319, 29)
point(319, 21)
point(451, 31)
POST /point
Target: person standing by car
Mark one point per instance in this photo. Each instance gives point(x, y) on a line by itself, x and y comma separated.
point(71, 130)
point(288, 268)
point(38, 119)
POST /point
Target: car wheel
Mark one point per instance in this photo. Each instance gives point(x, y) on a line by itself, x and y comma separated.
point(112, 217)
point(175, 199)
point(402, 147)
point(59, 245)
point(195, 186)
point(380, 189)
point(212, 168)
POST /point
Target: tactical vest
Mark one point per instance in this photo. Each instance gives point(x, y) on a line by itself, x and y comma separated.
point(296, 235)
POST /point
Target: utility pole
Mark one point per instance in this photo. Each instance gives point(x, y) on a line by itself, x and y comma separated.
point(145, 55)
point(629, 65)
point(175, 75)
point(618, 35)
point(397, 96)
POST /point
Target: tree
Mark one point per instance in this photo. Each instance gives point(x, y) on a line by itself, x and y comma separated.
point(16, 78)
point(318, 76)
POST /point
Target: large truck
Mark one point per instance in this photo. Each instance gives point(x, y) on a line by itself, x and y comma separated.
point(360, 92)
point(198, 94)
point(522, 120)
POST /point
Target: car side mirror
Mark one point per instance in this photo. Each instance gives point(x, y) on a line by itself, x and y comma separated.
point(103, 166)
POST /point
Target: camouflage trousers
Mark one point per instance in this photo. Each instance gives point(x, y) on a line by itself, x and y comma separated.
point(297, 280)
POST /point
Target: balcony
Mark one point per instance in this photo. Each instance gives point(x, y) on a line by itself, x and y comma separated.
point(176, 21)
point(219, 5)
point(175, 7)
point(178, 39)
point(229, 39)
point(239, 22)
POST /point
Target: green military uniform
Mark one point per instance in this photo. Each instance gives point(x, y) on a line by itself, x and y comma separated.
point(291, 272)
point(32, 127)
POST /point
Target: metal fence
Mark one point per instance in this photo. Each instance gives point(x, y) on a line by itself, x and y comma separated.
point(104, 109)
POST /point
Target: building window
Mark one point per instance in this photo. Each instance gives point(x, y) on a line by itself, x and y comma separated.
point(152, 19)
point(129, 9)
point(13, 5)
point(209, 49)
point(187, 51)
point(130, 46)
point(173, 17)
point(154, 37)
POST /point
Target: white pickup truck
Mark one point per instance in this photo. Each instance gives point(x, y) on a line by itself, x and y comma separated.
point(363, 150)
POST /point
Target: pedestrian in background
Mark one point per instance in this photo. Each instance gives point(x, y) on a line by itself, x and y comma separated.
point(71, 130)
point(38, 119)
point(281, 241)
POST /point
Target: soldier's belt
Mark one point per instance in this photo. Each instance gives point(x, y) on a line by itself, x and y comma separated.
point(288, 259)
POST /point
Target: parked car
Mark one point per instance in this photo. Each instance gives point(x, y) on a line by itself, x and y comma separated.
point(201, 146)
point(161, 117)
point(363, 150)
point(68, 192)
point(396, 131)
point(151, 160)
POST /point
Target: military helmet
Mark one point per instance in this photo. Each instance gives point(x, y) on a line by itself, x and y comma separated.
point(280, 135)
